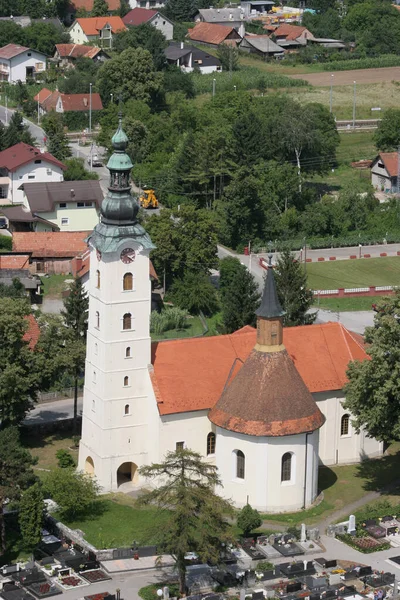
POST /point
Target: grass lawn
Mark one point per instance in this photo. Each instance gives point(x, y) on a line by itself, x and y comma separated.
point(354, 273)
point(54, 285)
point(44, 447)
point(308, 516)
point(346, 304)
point(195, 328)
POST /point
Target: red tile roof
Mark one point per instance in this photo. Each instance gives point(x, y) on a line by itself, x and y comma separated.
point(42, 95)
point(92, 25)
point(72, 102)
point(211, 33)
point(14, 261)
point(12, 50)
point(290, 32)
point(88, 4)
point(33, 332)
point(77, 50)
point(50, 244)
point(391, 162)
point(137, 15)
point(191, 374)
point(22, 154)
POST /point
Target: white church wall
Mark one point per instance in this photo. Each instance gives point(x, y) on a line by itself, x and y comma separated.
point(191, 428)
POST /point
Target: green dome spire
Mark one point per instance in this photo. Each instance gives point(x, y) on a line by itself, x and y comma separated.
point(119, 160)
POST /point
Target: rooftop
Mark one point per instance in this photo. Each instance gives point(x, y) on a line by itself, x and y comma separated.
point(20, 214)
point(390, 160)
point(43, 196)
point(175, 51)
point(77, 51)
point(263, 43)
point(211, 33)
point(33, 332)
point(92, 25)
point(22, 154)
point(50, 244)
point(137, 16)
point(12, 50)
point(72, 102)
point(14, 261)
point(215, 15)
point(291, 32)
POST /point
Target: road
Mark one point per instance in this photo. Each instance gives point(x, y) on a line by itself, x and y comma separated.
point(53, 411)
point(37, 132)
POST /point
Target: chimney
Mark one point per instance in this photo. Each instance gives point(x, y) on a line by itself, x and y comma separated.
point(181, 45)
point(72, 193)
point(85, 102)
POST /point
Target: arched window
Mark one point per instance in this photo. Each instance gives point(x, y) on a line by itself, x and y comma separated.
point(126, 380)
point(211, 443)
point(97, 319)
point(126, 411)
point(128, 352)
point(98, 279)
point(240, 464)
point(127, 321)
point(128, 282)
point(345, 425)
point(286, 473)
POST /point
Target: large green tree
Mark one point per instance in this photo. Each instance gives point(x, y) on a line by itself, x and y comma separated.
point(376, 27)
point(31, 515)
point(57, 141)
point(17, 132)
point(373, 390)
point(100, 8)
point(294, 295)
point(239, 294)
point(144, 36)
point(75, 492)
point(248, 520)
point(387, 136)
point(197, 515)
point(16, 472)
point(76, 171)
point(180, 10)
point(195, 293)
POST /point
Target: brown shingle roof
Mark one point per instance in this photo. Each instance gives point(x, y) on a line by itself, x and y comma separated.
point(290, 32)
point(72, 102)
point(137, 15)
point(11, 50)
point(14, 261)
point(77, 50)
point(92, 25)
point(42, 95)
point(22, 154)
point(211, 33)
point(50, 244)
point(32, 334)
point(43, 196)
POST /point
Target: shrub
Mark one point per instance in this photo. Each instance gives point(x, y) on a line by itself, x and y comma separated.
point(170, 318)
point(386, 60)
point(65, 459)
point(248, 519)
point(5, 242)
point(264, 565)
point(195, 293)
point(149, 592)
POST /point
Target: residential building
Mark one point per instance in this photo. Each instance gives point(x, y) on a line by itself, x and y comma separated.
point(293, 37)
point(213, 35)
point(21, 164)
point(87, 6)
point(16, 266)
point(384, 172)
point(232, 17)
point(137, 16)
point(67, 54)
point(65, 206)
point(67, 102)
point(189, 57)
point(149, 4)
point(50, 252)
point(262, 45)
point(18, 63)
point(265, 405)
point(99, 30)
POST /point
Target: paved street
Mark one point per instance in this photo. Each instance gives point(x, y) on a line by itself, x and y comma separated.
point(37, 132)
point(53, 411)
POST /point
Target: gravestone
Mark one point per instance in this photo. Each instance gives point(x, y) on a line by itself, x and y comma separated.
point(352, 524)
point(271, 539)
point(303, 536)
point(313, 534)
point(166, 592)
point(242, 593)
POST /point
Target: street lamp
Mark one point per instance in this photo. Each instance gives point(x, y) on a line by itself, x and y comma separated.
point(213, 87)
point(331, 94)
point(6, 111)
point(354, 105)
point(234, 87)
point(112, 98)
point(90, 108)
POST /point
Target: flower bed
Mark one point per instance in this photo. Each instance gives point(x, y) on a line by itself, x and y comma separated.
point(70, 582)
point(99, 596)
point(365, 544)
point(95, 576)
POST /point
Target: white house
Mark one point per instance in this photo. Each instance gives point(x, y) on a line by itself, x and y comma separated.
point(149, 4)
point(189, 58)
point(21, 164)
point(18, 63)
point(384, 172)
point(98, 30)
point(137, 16)
point(264, 406)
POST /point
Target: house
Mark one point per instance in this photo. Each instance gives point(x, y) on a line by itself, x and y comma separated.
point(19, 63)
point(87, 6)
point(232, 17)
point(50, 251)
point(152, 4)
point(189, 58)
point(96, 29)
point(262, 45)
point(384, 172)
point(22, 164)
point(68, 102)
point(137, 16)
point(213, 35)
point(292, 33)
point(66, 54)
point(16, 266)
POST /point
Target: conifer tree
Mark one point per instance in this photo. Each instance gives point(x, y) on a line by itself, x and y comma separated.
point(100, 8)
point(248, 519)
point(239, 295)
point(31, 515)
point(17, 132)
point(57, 142)
point(294, 296)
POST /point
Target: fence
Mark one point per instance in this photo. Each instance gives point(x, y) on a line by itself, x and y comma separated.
point(61, 395)
point(382, 290)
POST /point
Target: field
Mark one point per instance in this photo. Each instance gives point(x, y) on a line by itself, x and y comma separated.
point(346, 304)
point(354, 273)
point(361, 76)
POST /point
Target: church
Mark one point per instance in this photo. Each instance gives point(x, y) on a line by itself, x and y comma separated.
point(264, 405)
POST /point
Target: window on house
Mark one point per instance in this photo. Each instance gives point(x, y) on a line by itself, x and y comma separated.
point(128, 282)
point(381, 165)
point(211, 443)
point(63, 205)
point(127, 321)
point(3, 192)
point(38, 161)
point(240, 464)
point(128, 352)
point(97, 319)
point(179, 446)
point(126, 410)
point(64, 221)
point(29, 53)
point(98, 279)
point(345, 425)
point(286, 472)
point(163, 22)
point(80, 204)
point(31, 176)
point(126, 381)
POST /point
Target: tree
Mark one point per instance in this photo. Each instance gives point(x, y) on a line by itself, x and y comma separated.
point(15, 290)
point(144, 36)
point(75, 314)
point(239, 295)
point(16, 472)
point(376, 27)
point(17, 132)
point(229, 57)
point(294, 296)
point(198, 515)
point(74, 491)
point(387, 136)
point(195, 293)
point(20, 376)
point(130, 74)
point(180, 10)
point(100, 8)
point(373, 390)
point(44, 36)
point(57, 142)
point(248, 520)
point(31, 515)
point(76, 171)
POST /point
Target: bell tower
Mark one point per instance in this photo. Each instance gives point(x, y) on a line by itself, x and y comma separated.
point(118, 411)
point(269, 316)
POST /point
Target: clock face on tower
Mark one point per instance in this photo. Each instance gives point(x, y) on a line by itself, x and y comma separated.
point(128, 255)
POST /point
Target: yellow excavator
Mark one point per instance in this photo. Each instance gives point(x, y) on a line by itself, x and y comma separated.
point(148, 199)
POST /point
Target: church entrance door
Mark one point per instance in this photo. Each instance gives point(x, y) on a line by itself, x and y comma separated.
point(127, 472)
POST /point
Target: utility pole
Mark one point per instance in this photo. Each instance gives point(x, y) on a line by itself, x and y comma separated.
point(354, 105)
point(213, 87)
point(38, 113)
point(331, 94)
point(90, 108)
point(6, 111)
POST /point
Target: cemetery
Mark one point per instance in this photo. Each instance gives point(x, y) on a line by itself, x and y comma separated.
point(369, 535)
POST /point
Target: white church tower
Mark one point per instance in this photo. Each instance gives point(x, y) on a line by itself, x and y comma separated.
point(120, 419)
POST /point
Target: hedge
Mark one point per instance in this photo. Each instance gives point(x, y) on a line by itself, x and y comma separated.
point(366, 239)
point(5, 243)
point(79, 120)
point(386, 60)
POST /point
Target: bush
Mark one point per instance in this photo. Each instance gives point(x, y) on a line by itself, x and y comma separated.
point(264, 565)
point(170, 318)
point(366, 548)
point(195, 293)
point(65, 459)
point(5, 242)
point(74, 492)
point(248, 519)
point(149, 592)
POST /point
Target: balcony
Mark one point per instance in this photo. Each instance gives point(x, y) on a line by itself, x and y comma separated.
point(4, 69)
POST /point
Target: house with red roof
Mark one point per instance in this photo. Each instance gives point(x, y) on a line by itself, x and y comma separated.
point(137, 16)
point(211, 34)
point(66, 55)
point(19, 63)
point(68, 102)
point(384, 172)
point(99, 30)
point(21, 164)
